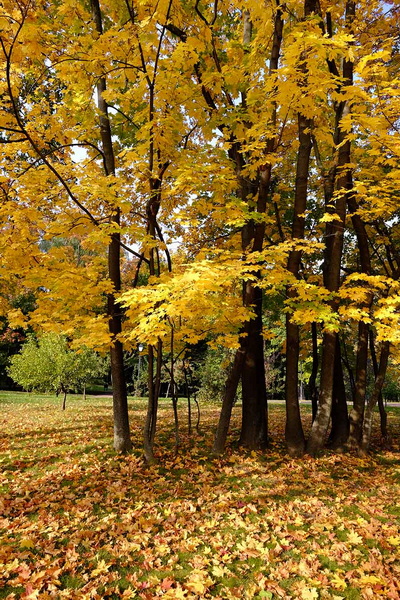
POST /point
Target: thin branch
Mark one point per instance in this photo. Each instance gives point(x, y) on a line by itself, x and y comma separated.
point(131, 251)
point(142, 59)
point(375, 252)
point(176, 31)
point(202, 17)
point(187, 136)
point(167, 253)
point(13, 141)
point(12, 129)
point(118, 110)
point(160, 43)
point(137, 270)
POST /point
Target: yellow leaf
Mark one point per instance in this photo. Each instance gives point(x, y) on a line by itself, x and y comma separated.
point(175, 594)
point(16, 318)
point(102, 567)
point(337, 582)
point(309, 593)
point(27, 544)
point(394, 541)
point(327, 217)
point(198, 582)
point(218, 571)
point(354, 538)
point(371, 579)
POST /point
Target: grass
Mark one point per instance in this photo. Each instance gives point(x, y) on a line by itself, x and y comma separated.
point(79, 522)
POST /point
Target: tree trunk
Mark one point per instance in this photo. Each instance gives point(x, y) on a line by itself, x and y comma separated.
point(332, 261)
point(151, 409)
point(227, 402)
point(382, 411)
point(122, 441)
point(377, 391)
point(294, 434)
point(386, 438)
point(357, 412)
point(254, 426)
point(64, 404)
point(185, 373)
point(254, 431)
point(321, 422)
point(312, 382)
point(340, 418)
point(349, 369)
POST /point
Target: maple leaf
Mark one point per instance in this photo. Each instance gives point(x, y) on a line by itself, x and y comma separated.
point(27, 543)
point(354, 538)
point(176, 592)
point(198, 582)
point(309, 593)
point(371, 579)
point(167, 583)
point(102, 567)
point(394, 540)
point(338, 582)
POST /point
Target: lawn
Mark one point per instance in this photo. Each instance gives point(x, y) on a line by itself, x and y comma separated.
point(77, 521)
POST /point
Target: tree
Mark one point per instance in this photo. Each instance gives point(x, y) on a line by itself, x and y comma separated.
point(88, 367)
point(49, 365)
point(260, 140)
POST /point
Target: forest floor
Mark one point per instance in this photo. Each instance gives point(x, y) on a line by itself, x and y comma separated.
point(78, 521)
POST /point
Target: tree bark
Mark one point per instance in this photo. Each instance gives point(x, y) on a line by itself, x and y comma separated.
point(332, 269)
point(340, 418)
point(382, 411)
point(332, 262)
point(64, 403)
point(188, 395)
point(227, 402)
point(357, 412)
point(377, 391)
point(122, 440)
point(349, 369)
point(312, 382)
point(151, 409)
point(254, 431)
point(294, 435)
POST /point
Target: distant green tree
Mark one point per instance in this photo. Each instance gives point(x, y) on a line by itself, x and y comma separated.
point(213, 373)
point(49, 365)
point(89, 366)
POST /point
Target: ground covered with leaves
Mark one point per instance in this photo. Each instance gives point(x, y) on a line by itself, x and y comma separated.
point(79, 522)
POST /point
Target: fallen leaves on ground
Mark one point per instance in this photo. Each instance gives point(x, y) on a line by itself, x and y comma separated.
point(79, 522)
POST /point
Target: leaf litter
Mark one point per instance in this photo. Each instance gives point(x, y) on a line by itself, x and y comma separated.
point(78, 521)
